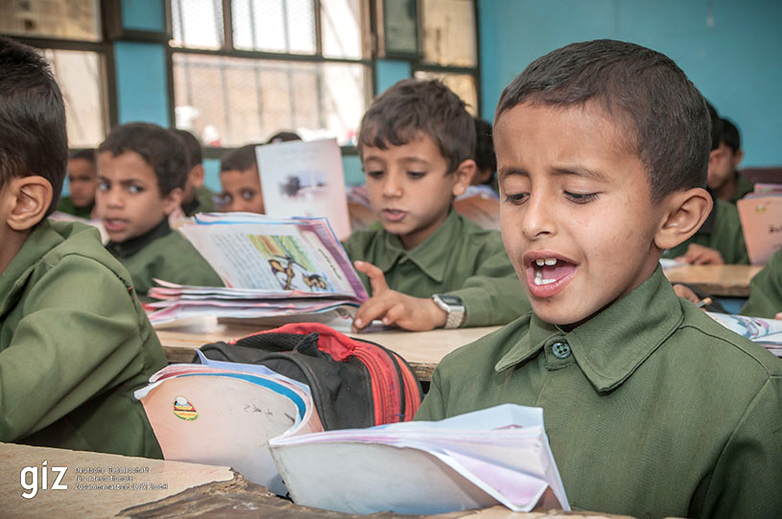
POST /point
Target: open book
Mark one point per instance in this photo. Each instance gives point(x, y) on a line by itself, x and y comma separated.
point(761, 222)
point(272, 268)
point(766, 332)
point(265, 426)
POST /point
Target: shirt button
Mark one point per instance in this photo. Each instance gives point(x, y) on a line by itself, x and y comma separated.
point(561, 350)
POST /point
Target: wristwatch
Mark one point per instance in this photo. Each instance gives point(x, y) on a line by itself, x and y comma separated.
point(453, 306)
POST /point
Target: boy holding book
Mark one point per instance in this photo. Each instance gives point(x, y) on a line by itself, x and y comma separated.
point(74, 340)
point(241, 182)
point(142, 169)
point(652, 408)
point(425, 265)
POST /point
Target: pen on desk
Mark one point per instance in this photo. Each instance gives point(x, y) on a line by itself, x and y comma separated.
point(703, 302)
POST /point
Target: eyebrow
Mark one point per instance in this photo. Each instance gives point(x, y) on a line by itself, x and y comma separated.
point(124, 182)
point(510, 171)
point(581, 171)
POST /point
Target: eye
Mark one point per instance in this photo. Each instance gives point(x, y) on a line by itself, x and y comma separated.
point(516, 198)
point(374, 173)
point(248, 194)
point(135, 189)
point(224, 199)
point(104, 186)
point(415, 175)
point(581, 198)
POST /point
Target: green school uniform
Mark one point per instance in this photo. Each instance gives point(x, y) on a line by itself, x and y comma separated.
point(652, 408)
point(65, 205)
point(721, 231)
point(203, 202)
point(743, 187)
point(765, 290)
point(459, 258)
point(74, 345)
point(163, 254)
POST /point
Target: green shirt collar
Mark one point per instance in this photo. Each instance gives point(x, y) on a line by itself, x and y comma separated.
point(427, 255)
point(614, 343)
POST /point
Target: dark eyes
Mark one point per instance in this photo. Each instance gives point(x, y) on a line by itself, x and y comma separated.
point(516, 198)
point(248, 194)
point(581, 198)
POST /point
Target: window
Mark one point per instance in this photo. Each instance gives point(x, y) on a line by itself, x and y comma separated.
point(450, 47)
point(67, 32)
point(246, 69)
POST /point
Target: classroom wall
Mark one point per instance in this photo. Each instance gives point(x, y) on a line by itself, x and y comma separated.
point(731, 50)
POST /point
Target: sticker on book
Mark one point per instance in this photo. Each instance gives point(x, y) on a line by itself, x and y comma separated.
point(184, 409)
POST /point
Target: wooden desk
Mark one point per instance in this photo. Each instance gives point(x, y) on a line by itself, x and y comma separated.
point(718, 280)
point(422, 350)
point(191, 489)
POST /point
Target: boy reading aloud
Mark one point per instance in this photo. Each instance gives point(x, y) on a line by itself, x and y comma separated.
point(74, 340)
point(426, 266)
point(142, 169)
point(652, 408)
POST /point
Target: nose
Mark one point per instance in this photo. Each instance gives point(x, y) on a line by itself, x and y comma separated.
point(537, 221)
point(392, 186)
point(113, 197)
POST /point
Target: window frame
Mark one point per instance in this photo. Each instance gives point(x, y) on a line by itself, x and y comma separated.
point(229, 51)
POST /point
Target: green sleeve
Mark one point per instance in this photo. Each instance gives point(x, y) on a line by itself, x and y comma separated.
point(80, 337)
point(765, 290)
point(493, 295)
point(728, 238)
point(747, 478)
point(432, 408)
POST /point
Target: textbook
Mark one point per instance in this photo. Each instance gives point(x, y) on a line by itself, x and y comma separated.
point(272, 268)
point(266, 426)
point(301, 178)
point(761, 222)
point(766, 332)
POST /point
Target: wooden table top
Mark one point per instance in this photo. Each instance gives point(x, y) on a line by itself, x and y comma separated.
point(422, 350)
point(187, 489)
point(718, 280)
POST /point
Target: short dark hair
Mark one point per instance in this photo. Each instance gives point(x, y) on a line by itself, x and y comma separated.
point(33, 138)
point(87, 154)
point(716, 126)
point(485, 158)
point(284, 136)
point(427, 106)
point(159, 148)
point(730, 135)
point(192, 147)
point(664, 114)
point(239, 159)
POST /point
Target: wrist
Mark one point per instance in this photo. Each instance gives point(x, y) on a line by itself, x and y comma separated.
point(453, 307)
point(439, 316)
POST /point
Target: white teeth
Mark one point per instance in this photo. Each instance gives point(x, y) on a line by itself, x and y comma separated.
point(540, 281)
point(540, 262)
point(551, 261)
point(547, 261)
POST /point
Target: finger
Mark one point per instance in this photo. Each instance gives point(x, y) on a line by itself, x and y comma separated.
point(372, 309)
point(394, 314)
point(376, 278)
point(778, 316)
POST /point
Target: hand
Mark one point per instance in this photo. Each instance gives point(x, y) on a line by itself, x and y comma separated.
point(700, 255)
point(407, 312)
point(685, 293)
point(778, 316)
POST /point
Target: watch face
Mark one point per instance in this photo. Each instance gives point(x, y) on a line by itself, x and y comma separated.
point(451, 300)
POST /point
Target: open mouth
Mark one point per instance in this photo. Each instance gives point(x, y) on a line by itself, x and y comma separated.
point(112, 225)
point(394, 215)
point(546, 276)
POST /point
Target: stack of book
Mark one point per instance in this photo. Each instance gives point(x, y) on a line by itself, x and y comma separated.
point(274, 269)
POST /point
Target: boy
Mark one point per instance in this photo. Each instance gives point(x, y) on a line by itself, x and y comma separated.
point(651, 408)
point(82, 180)
point(765, 290)
point(724, 179)
point(196, 197)
point(720, 239)
point(241, 182)
point(426, 265)
point(74, 340)
point(142, 169)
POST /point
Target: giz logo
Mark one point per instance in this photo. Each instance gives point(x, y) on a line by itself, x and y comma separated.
point(31, 483)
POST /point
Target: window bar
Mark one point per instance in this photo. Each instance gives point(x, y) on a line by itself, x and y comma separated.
point(253, 33)
point(318, 29)
point(181, 22)
point(228, 35)
point(259, 97)
point(291, 93)
point(216, 17)
point(226, 108)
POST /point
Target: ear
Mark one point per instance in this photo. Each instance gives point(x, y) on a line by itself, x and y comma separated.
point(683, 214)
point(172, 200)
point(32, 197)
point(197, 175)
point(737, 157)
point(463, 176)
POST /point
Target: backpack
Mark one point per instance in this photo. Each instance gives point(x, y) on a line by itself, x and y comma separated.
point(354, 382)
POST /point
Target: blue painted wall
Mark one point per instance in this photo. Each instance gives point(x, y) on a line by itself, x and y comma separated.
point(732, 53)
point(389, 72)
point(143, 15)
